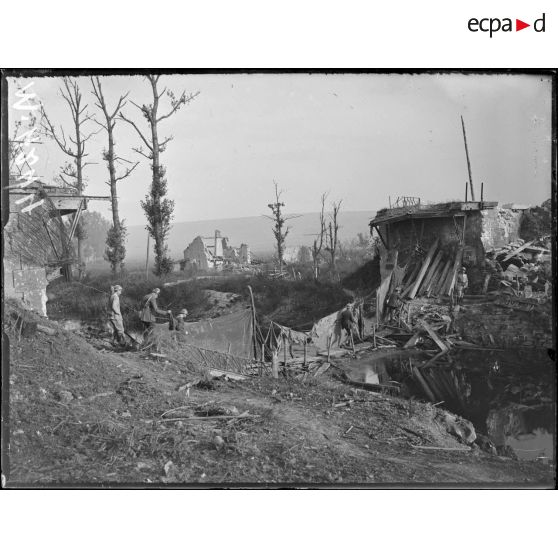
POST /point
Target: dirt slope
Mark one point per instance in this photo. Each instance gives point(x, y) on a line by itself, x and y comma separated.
point(84, 416)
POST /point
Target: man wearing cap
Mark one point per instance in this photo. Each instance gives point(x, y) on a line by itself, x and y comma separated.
point(115, 315)
point(461, 284)
point(347, 321)
point(149, 311)
point(179, 326)
point(393, 303)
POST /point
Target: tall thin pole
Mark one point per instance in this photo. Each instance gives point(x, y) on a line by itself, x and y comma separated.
point(255, 345)
point(147, 259)
point(468, 161)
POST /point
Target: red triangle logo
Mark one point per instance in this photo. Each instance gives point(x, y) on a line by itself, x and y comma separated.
point(519, 25)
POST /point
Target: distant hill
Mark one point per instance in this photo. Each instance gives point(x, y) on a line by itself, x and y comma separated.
point(254, 231)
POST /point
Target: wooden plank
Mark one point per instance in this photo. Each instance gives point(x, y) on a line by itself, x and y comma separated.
point(441, 280)
point(230, 375)
point(412, 341)
point(411, 271)
point(434, 278)
point(411, 281)
point(423, 269)
point(456, 265)
point(444, 270)
point(515, 252)
point(431, 269)
point(434, 336)
point(437, 448)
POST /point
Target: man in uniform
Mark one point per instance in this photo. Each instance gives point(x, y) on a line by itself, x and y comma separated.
point(180, 319)
point(150, 310)
point(493, 270)
point(348, 322)
point(462, 283)
point(393, 303)
point(115, 315)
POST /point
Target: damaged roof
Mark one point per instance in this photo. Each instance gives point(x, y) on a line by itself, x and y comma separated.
point(428, 211)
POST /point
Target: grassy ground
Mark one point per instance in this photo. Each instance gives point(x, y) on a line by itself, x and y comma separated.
point(85, 415)
point(293, 303)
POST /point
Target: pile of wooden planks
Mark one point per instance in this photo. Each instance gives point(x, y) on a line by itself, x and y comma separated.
point(434, 275)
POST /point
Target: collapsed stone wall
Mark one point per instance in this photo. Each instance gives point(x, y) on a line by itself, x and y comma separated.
point(500, 227)
point(492, 325)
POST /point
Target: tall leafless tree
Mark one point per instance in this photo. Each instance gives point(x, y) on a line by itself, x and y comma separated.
point(116, 236)
point(157, 208)
point(280, 231)
point(74, 147)
point(319, 241)
point(332, 236)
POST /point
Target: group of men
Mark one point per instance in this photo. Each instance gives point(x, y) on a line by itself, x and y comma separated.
point(147, 314)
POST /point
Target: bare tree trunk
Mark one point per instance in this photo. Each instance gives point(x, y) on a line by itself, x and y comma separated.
point(333, 237)
point(116, 250)
point(157, 209)
point(74, 148)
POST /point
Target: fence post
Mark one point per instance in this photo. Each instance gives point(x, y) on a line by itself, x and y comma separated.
point(275, 364)
point(305, 352)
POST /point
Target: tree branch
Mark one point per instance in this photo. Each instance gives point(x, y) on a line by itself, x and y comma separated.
point(176, 105)
point(127, 172)
point(49, 131)
point(140, 151)
point(122, 117)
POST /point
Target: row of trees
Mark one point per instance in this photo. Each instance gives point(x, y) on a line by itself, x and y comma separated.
point(73, 143)
point(327, 239)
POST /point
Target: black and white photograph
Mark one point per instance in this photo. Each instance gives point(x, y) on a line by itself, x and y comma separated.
point(279, 278)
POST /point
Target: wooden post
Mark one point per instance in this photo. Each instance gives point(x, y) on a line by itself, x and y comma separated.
point(305, 353)
point(228, 357)
point(275, 364)
point(328, 346)
point(374, 334)
point(147, 259)
point(482, 192)
point(468, 161)
point(254, 342)
point(284, 352)
point(466, 188)
point(262, 359)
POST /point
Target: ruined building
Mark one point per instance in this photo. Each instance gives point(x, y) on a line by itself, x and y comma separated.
point(215, 252)
point(424, 245)
point(476, 226)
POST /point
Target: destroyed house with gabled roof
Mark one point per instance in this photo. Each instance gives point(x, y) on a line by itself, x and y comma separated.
point(425, 245)
point(205, 253)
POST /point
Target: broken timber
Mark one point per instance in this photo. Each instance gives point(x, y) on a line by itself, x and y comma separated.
point(434, 336)
point(423, 268)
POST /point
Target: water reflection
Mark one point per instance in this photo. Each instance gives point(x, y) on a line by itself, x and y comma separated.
point(507, 395)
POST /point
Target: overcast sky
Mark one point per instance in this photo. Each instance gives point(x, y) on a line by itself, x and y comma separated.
point(361, 138)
